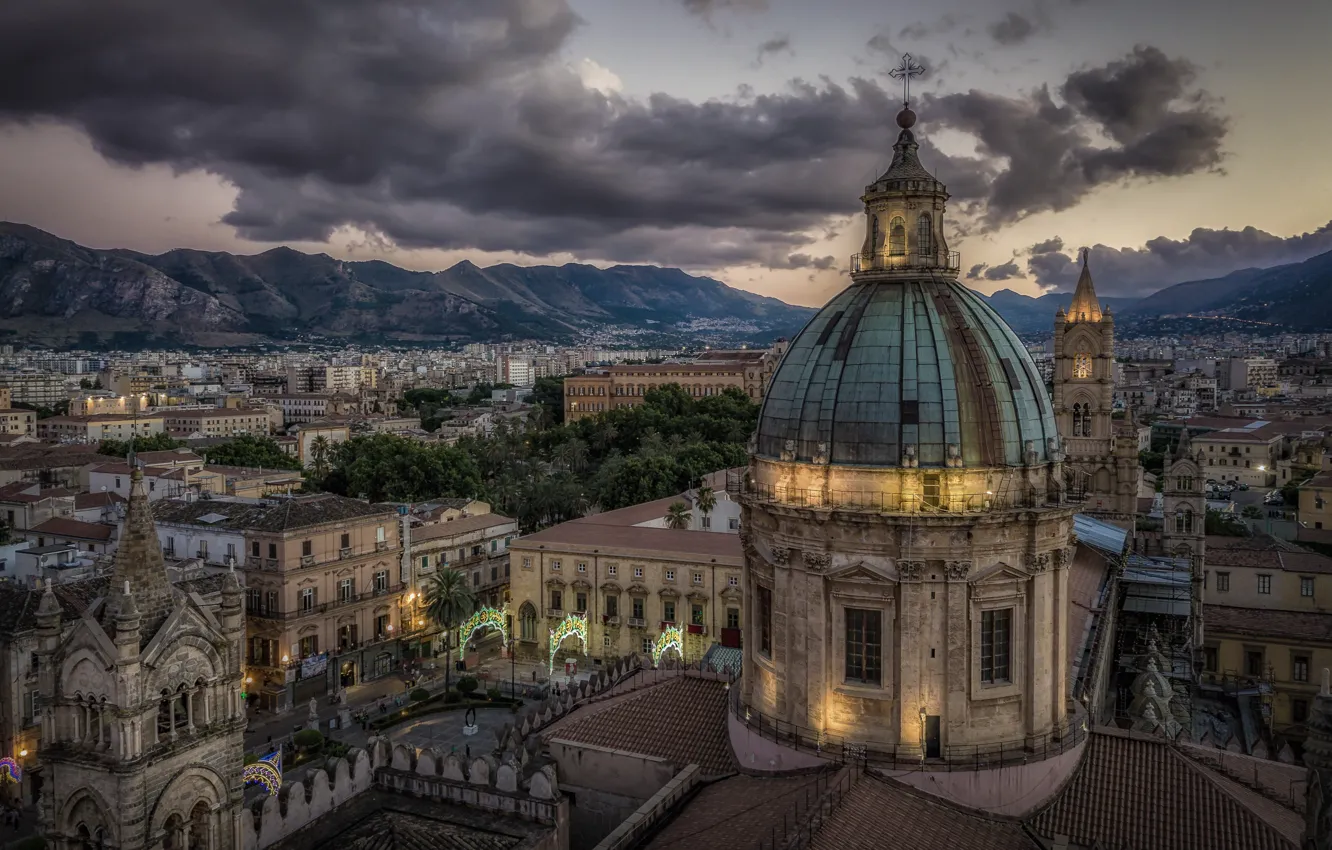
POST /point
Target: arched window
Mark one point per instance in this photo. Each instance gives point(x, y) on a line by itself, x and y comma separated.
point(200, 818)
point(1082, 366)
point(876, 235)
point(897, 236)
point(527, 622)
point(924, 235)
point(1077, 420)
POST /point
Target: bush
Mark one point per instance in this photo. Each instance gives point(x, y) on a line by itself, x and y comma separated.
point(494, 694)
point(308, 739)
point(467, 685)
point(452, 697)
point(420, 695)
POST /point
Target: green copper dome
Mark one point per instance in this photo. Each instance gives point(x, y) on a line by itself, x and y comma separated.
point(891, 367)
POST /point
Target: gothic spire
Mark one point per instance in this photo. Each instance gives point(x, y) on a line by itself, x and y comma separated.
point(1085, 307)
point(1184, 448)
point(139, 562)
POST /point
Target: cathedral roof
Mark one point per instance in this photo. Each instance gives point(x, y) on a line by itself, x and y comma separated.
point(1085, 307)
point(890, 364)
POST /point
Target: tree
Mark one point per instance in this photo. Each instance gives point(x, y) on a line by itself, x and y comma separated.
point(449, 601)
point(549, 393)
point(250, 451)
point(706, 500)
point(319, 451)
point(678, 516)
point(156, 443)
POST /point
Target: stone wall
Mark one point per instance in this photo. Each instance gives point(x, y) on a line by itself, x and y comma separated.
point(299, 803)
point(651, 812)
point(607, 785)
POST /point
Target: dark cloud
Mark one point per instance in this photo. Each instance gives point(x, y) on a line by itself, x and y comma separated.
point(1006, 271)
point(1052, 161)
point(1013, 29)
point(458, 125)
point(806, 261)
point(776, 44)
point(1203, 255)
point(925, 29)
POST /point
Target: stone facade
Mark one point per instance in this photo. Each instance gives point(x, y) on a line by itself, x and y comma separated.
point(141, 713)
point(1102, 464)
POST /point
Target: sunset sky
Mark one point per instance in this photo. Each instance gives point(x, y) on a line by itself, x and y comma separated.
point(1180, 139)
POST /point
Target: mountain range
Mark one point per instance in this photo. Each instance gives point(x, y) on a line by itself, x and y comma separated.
point(57, 292)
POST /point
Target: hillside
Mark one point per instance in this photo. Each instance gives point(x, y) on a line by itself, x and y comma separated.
point(58, 292)
point(1026, 314)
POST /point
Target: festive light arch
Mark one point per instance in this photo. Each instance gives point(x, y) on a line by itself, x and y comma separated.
point(266, 772)
point(571, 626)
point(670, 638)
point(10, 770)
point(484, 618)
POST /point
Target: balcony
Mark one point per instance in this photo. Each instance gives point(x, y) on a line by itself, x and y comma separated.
point(667, 624)
point(883, 261)
point(610, 620)
point(637, 623)
point(697, 629)
point(555, 613)
point(344, 553)
point(264, 612)
point(307, 560)
point(381, 545)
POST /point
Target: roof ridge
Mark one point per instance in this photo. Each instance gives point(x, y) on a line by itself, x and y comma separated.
point(1210, 777)
point(946, 802)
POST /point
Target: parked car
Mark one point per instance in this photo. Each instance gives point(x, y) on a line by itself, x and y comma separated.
point(1243, 486)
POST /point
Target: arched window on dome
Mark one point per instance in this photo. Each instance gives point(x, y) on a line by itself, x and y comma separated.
point(876, 235)
point(924, 235)
point(897, 236)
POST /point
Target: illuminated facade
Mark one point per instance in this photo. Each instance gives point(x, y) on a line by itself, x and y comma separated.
point(906, 534)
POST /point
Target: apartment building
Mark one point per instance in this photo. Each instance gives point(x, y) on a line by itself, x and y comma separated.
point(1250, 372)
point(98, 427)
point(609, 387)
point(18, 421)
point(325, 606)
point(216, 421)
point(36, 388)
point(24, 505)
point(1246, 455)
point(1268, 624)
point(476, 546)
point(631, 580)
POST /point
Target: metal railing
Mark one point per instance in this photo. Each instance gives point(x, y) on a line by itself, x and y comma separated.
point(885, 502)
point(810, 807)
point(892, 261)
point(321, 608)
point(1031, 748)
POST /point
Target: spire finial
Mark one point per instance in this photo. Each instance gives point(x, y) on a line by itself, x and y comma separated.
point(1085, 252)
point(905, 70)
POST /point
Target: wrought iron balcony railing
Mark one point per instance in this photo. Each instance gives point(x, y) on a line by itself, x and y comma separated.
point(890, 261)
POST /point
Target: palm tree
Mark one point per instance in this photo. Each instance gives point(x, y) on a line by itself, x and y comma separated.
point(319, 450)
point(706, 501)
point(449, 601)
point(678, 516)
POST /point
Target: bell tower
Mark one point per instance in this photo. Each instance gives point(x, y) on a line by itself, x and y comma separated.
point(1084, 394)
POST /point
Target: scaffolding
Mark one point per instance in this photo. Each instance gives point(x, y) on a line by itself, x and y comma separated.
point(1155, 636)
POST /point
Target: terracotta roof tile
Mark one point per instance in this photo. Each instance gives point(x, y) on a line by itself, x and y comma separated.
point(682, 720)
point(735, 813)
point(461, 525)
point(875, 808)
point(627, 540)
point(88, 501)
point(1137, 791)
point(63, 527)
point(1261, 622)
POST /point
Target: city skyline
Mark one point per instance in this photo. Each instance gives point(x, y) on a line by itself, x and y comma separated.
point(573, 137)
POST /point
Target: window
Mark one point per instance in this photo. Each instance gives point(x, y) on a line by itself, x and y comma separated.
point(765, 620)
point(995, 637)
point(1184, 522)
point(555, 566)
point(254, 548)
point(698, 578)
point(272, 550)
point(557, 600)
point(605, 640)
point(876, 236)
point(647, 645)
point(897, 236)
point(307, 598)
point(231, 552)
point(382, 627)
point(864, 649)
point(379, 534)
point(732, 618)
point(527, 563)
point(1264, 583)
point(346, 541)
point(203, 549)
point(638, 572)
point(1222, 582)
point(582, 566)
point(580, 602)
point(733, 523)
point(1299, 710)
point(670, 575)
point(346, 590)
point(638, 608)
point(381, 581)
point(733, 581)
point(307, 548)
point(931, 490)
point(1306, 586)
point(1082, 367)
point(668, 611)
point(924, 234)
point(612, 569)
point(1209, 659)
point(696, 614)
point(1253, 662)
point(612, 605)
point(425, 563)
point(308, 646)
point(1299, 668)
point(494, 544)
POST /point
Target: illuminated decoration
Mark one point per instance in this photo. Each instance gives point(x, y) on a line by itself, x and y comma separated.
point(571, 626)
point(10, 770)
point(1082, 366)
point(484, 618)
point(670, 638)
point(266, 772)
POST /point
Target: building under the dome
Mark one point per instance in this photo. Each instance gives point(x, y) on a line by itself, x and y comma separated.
point(907, 535)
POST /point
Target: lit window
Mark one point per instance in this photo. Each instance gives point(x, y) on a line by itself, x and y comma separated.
point(1082, 366)
point(864, 650)
point(1264, 584)
point(1306, 586)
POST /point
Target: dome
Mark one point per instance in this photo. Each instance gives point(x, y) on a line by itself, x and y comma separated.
point(892, 364)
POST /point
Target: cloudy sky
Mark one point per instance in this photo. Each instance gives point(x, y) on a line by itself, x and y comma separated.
point(1180, 139)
